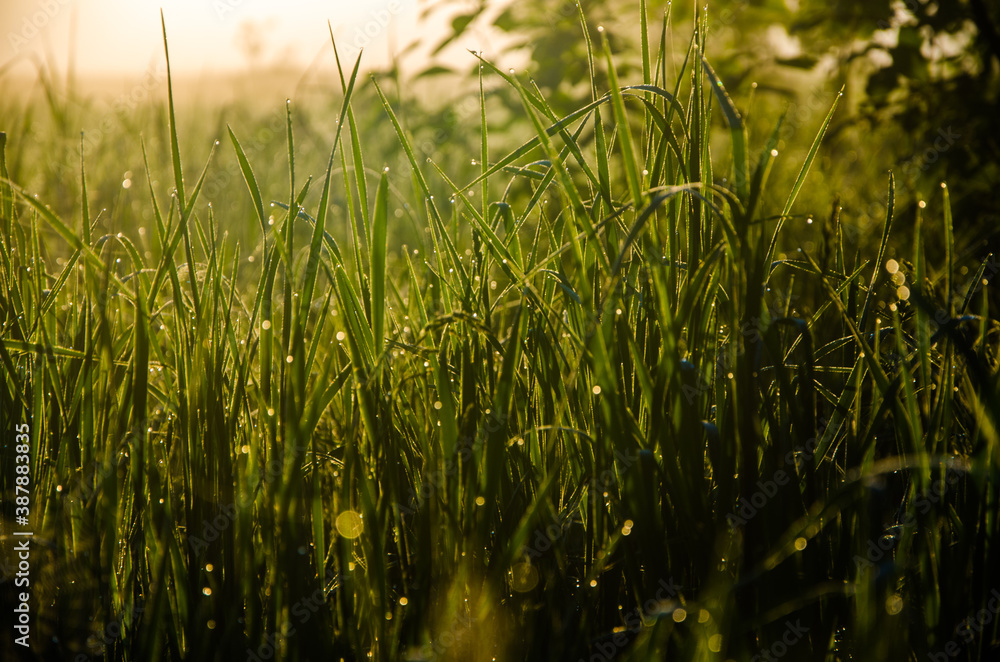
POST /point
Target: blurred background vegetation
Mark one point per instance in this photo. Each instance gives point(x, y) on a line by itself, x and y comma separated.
point(921, 80)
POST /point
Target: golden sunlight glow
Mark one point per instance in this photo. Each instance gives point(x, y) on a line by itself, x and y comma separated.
point(123, 37)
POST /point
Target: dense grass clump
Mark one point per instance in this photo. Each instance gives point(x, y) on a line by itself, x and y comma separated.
point(599, 406)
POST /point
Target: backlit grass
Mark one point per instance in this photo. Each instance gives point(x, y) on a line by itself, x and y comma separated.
point(581, 399)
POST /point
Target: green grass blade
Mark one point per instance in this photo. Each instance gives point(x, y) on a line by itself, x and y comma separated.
point(175, 151)
point(801, 178)
point(621, 118)
point(251, 182)
point(377, 261)
point(737, 130)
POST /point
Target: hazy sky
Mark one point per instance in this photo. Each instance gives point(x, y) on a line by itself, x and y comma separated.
point(123, 36)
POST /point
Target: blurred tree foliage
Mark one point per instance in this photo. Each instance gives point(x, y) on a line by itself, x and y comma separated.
point(922, 78)
point(931, 72)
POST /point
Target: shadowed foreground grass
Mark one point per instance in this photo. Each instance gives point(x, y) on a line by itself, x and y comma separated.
point(601, 409)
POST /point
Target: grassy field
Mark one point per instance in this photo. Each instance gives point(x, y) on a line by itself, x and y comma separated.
point(582, 387)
